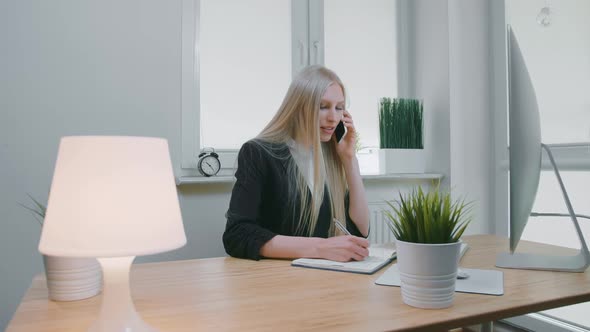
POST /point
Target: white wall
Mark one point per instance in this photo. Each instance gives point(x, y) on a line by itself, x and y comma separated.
point(87, 67)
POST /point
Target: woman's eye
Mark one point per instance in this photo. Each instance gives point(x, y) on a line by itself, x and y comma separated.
point(340, 108)
point(322, 107)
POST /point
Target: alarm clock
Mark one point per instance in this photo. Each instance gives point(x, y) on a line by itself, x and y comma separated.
point(209, 163)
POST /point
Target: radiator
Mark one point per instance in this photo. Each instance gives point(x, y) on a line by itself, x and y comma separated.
point(379, 232)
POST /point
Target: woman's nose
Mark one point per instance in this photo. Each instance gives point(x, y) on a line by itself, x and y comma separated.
point(334, 116)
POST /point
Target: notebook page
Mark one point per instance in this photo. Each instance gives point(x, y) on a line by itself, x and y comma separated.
point(377, 258)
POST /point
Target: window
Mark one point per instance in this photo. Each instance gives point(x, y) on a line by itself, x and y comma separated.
point(366, 65)
point(239, 57)
point(245, 61)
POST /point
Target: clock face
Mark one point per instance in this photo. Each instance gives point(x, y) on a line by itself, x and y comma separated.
point(209, 165)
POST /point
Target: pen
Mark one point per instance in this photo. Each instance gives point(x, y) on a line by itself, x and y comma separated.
point(341, 227)
point(343, 230)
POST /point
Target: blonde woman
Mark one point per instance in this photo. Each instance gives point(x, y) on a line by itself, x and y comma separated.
point(294, 182)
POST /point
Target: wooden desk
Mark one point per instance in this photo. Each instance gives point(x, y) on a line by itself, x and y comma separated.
point(232, 294)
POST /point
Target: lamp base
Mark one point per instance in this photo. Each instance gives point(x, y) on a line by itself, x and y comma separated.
point(129, 326)
point(117, 312)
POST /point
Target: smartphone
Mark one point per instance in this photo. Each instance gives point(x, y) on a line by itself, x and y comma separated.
point(340, 131)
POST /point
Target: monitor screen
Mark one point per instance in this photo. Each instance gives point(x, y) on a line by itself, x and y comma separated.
point(524, 141)
point(525, 151)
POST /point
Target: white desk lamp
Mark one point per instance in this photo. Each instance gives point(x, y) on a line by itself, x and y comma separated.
point(113, 198)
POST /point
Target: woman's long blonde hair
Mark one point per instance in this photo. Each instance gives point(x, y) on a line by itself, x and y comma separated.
point(298, 119)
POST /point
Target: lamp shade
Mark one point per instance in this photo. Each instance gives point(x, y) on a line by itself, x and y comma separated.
point(112, 196)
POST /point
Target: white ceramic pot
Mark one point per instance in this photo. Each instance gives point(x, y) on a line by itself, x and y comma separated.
point(402, 161)
point(72, 278)
point(428, 273)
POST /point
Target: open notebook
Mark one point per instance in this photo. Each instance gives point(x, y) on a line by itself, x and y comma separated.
point(378, 258)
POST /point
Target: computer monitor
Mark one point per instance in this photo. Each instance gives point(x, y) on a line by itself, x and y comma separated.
point(525, 153)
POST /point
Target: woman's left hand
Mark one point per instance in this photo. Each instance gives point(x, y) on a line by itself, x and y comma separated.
point(346, 149)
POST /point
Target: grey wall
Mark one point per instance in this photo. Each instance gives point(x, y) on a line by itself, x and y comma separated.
point(472, 121)
point(114, 67)
point(450, 69)
point(87, 67)
point(429, 73)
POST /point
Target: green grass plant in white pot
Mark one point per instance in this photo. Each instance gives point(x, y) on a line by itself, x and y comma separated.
point(68, 278)
point(401, 126)
point(428, 227)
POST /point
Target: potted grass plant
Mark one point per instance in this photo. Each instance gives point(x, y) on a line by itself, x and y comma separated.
point(428, 228)
point(68, 278)
point(401, 125)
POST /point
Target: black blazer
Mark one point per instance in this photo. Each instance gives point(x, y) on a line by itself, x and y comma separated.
point(259, 207)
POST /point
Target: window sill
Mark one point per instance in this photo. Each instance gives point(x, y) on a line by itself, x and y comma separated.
point(402, 176)
point(184, 180)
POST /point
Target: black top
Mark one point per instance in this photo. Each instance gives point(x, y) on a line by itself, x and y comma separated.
point(259, 207)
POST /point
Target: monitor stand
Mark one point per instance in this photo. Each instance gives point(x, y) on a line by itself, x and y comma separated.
point(576, 263)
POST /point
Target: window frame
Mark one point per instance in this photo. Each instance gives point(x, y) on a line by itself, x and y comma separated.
point(307, 46)
point(307, 49)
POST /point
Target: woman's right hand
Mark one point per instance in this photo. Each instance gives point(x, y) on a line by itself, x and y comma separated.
point(344, 248)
